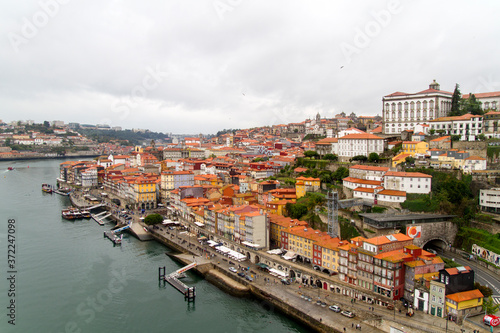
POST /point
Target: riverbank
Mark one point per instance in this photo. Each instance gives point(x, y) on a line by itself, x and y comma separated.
point(27, 158)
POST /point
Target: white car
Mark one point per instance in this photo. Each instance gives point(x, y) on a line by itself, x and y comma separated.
point(232, 269)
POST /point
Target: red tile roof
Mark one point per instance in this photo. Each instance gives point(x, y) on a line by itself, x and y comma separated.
point(407, 174)
point(484, 95)
point(369, 167)
point(361, 136)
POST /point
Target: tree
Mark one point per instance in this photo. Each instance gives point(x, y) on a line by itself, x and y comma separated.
point(311, 154)
point(410, 160)
point(361, 158)
point(471, 105)
point(432, 131)
point(486, 291)
point(46, 123)
point(341, 173)
point(455, 138)
point(331, 157)
point(373, 157)
point(489, 306)
point(153, 219)
point(296, 211)
point(481, 137)
point(455, 102)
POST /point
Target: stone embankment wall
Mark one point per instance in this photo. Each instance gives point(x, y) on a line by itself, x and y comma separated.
point(474, 148)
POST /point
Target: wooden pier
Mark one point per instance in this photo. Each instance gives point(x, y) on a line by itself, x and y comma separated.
point(99, 218)
point(173, 279)
point(113, 237)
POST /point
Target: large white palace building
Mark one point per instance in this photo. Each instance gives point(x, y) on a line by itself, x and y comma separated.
point(403, 111)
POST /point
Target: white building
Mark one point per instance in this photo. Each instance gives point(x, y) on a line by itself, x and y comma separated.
point(474, 163)
point(403, 111)
point(489, 100)
point(489, 200)
point(89, 177)
point(410, 182)
point(367, 172)
point(360, 144)
point(351, 130)
point(468, 126)
point(379, 195)
point(353, 183)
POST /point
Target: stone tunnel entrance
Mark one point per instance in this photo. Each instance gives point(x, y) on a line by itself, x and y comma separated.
point(435, 244)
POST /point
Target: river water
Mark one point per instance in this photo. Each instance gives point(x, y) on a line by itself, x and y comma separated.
point(66, 277)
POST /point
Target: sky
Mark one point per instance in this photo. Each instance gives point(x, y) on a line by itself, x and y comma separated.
point(207, 65)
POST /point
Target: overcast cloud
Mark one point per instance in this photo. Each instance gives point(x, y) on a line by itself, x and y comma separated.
point(202, 66)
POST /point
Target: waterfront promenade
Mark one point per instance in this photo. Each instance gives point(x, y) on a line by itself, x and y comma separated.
point(371, 318)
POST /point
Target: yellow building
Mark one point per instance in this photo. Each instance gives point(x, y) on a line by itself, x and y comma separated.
point(144, 192)
point(328, 253)
point(410, 148)
point(459, 305)
point(305, 184)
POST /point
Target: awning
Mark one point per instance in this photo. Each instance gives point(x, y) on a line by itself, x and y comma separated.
point(278, 273)
point(199, 224)
point(250, 244)
point(261, 265)
point(275, 251)
point(290, 255)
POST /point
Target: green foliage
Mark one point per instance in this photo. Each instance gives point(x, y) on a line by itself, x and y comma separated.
point(377, 209)
point(369, 231)
point(296, 210)
point(471, 105)
point(486, 291)
point(455, 101)
point(373, 157)
point(455, 137)
point(467, 236)
point(481, 137)
point(347, 230)
point(489, 306)
point(311, 154)
point(432, 131)
point(340, 173)
point(331, 157)
point(448, 263)
point(153, 219)
point(483, 218)
point(361, 158)
point(134, 138)
point(410, 160)
point(493, 151)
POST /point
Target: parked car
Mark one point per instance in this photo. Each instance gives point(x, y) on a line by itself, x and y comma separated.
point(249, 278)
point(347, 314)
point(318, 302)
point(335, 308)
point(285, 281)
point(241, 274)
point(232, 269)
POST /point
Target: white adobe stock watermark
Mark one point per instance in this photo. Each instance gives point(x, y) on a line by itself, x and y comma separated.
point(224, 6)
point(150, 81)
point(30, 27)
point(372, 29)
point(86, 310)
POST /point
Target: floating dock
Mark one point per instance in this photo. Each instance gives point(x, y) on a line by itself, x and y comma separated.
point(173, 279)
point(113, 237)
point(99, 218)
